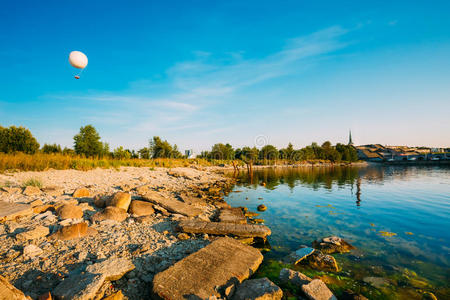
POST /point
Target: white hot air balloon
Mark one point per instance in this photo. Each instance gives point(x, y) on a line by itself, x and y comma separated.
point(78, 60)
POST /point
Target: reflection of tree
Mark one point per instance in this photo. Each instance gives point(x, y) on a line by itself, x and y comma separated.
point(358, 192)
point(314, 177)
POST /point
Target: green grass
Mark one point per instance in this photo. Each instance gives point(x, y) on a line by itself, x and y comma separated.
point(33, 182)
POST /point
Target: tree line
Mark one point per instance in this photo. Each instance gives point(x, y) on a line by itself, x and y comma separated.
point(88, 143)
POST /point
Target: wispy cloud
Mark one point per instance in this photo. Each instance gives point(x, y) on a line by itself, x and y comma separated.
point(186, 98)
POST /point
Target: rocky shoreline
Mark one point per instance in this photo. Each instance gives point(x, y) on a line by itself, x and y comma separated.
point(138, 233)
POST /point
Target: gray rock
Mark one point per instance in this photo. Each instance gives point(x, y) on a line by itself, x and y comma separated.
point(258, 289)
point(79, 286)
point(31, 251)
point(296, 256)
point(113, 268)
point(317, 290)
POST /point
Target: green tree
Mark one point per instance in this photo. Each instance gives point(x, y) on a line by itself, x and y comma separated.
point(47, 148)
point(17, 139)
point(269, 152)
point(68, 151)
point(221, 151)
point(144, 153)
point(120, 153)
point(162, 149)
point(87, 142)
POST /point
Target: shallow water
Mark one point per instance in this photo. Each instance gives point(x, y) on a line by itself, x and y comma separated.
point(359, 204)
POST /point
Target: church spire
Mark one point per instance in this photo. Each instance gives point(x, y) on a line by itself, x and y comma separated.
point(350, 142)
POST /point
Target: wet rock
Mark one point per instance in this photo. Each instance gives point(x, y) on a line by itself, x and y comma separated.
point(258, 289)
point(69, 211)
point(262, 207)
point(9, 292)
point(113, 268)
point(110, 213)
point(232, 215)
point(377, 282)
point(120, 200)
point(81, 193)
point(294, 277)
point(213, 269)
point(11, 211)
point(31, 251)
point(31, 190)
point(79, 286)
point(220, 228)
point(35, 233)
point(141, 208)
point(333, 244)
point(317, 290)
point(318, 260)
point(296, 256)
point(74, 231)
point(350, 295)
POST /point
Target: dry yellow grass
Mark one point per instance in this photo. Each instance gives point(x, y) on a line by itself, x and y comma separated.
point(41, 162)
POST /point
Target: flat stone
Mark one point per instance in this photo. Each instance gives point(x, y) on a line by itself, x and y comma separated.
point(43, 208)
point(258, 289)
point(172, 204)
point(73, 231)
point(35, 233)
point(53, 191)
point(317, 290)
point(81, 193)
point(113, 268)
point(36, 202)
point(294, 277)
point(120, 200)
point(232, 215)
point(110, 213)
point(208, 272)
point(296, 256)
point(11, 190)
point(69, 211)
point(79, 286)
point(31, 190)
point(141, 208)
point(9, 292)
point(220, 228)
point(11, 211)
point(31, 251)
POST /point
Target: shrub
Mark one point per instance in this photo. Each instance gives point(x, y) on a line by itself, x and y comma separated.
point(33, 182)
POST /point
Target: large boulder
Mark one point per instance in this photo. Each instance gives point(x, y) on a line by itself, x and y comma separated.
point(82, 286)
point(73, 231)
point(317, 290)
point(211, 271)
point(9, 292)
point(100, 200)
point(69, 211)
point(110, 213)
point(319, 261)
point(120, 200)
point(141, 208)
point(258, 289)
point(81, 193)
point(333, 244)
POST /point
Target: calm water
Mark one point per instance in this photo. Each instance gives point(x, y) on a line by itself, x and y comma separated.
point(304, 204)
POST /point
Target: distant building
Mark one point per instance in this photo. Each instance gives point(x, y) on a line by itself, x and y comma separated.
point(350, 141)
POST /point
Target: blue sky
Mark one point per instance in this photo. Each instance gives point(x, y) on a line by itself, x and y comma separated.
point(243, 72)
